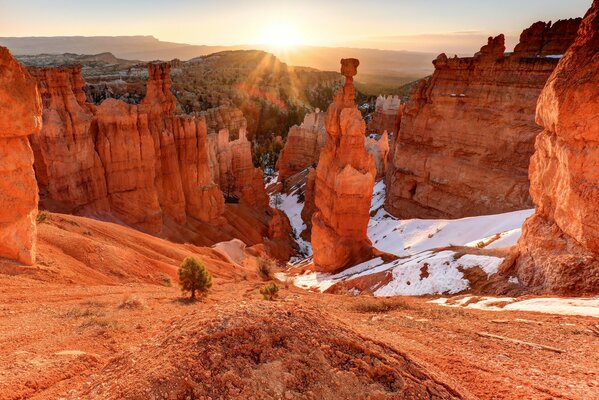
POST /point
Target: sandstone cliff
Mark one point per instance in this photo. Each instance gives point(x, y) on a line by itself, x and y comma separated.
point(20, 117)
point(467, 133)
point(140, 163)
point(385, 114)
point(344, 183)
point(303, 145)
point(559, 248)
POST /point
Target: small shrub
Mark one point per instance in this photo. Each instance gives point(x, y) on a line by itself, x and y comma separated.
point(41, 217)
point(165, 280)
point(480, 244)
point(269, 292)
point(131, 303)
point(194, 276)
point(264, 268)
point(375, 306)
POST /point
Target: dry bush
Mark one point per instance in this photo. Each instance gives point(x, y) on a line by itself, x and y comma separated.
point(131, 303)
point(375, 306)
point(265, 268)
point(100, 322)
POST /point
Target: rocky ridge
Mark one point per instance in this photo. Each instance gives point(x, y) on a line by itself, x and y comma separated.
point(469, 124)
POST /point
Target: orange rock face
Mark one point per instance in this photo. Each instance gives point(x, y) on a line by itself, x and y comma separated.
point(67, 164)
point(384, 116)
point(232, 167)
point(559, 248)
point(21, 116)
point(343, 184)
point(467, 133)
point(140, 163)
point(303, 145)
point(379, 150)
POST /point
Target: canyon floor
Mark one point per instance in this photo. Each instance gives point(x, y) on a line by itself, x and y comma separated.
point(66, 340)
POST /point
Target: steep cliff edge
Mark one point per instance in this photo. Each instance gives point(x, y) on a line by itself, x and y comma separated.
point(467, 133)
point(20, 117)
point(559, 247)
point(344, 184)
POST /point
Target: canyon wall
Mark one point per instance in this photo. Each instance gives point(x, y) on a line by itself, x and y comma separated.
point(140, 163)
point(303, 145)
point(467, 132)
point(559, 247)
point(385, 114)
point(344, 184)
point(20, 117)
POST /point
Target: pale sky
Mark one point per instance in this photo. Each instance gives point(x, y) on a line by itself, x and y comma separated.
point(390, 24)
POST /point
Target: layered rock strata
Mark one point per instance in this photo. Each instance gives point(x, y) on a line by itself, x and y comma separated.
point(303, 145)
point(21, 116)
point(559, 247)
point(467, 132)
point(385, 114)
point(140, 163)
point(344, 183)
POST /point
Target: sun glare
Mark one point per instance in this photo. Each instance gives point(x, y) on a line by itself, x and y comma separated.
point(281, 34)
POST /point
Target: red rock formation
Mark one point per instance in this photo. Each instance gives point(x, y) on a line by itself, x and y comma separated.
point(142, 163)
point(309, 207)
point(303, 145)
point(225, 117)
point(559, 247)
point(467, 134)
point(545, 39)
point(67, 164)
point(21, 116)
point(344, 183)
point(385, 115)
point(232, 167)
point(379, 150)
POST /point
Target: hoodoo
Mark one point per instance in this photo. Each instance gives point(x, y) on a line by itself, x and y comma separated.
point(344, 183)
point(140, 163)
point(559, 247)
point(467, 133)
point(21, 116)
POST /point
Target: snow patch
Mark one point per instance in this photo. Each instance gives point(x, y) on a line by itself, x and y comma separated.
point(563, 306)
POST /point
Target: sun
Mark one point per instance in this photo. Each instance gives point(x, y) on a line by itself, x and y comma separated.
point(281, 34)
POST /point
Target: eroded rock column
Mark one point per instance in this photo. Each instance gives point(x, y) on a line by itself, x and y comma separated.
point(20, 116)
point(344, 183)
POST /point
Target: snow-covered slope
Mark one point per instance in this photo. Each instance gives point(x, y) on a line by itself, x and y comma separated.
point(407, 237)
point(424, 267)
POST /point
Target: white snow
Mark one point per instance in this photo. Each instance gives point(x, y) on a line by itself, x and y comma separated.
point(411, 236)
point(291, 206)
point(554, 56)
point(549, 305)
point(424, 273)
point(422, 268)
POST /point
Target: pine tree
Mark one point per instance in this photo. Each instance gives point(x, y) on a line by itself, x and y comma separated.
point(194, 276)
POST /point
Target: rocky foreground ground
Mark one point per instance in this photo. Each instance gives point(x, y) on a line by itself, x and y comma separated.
point(109, 334)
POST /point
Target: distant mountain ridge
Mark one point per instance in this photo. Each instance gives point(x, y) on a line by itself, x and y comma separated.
point(376, 65)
